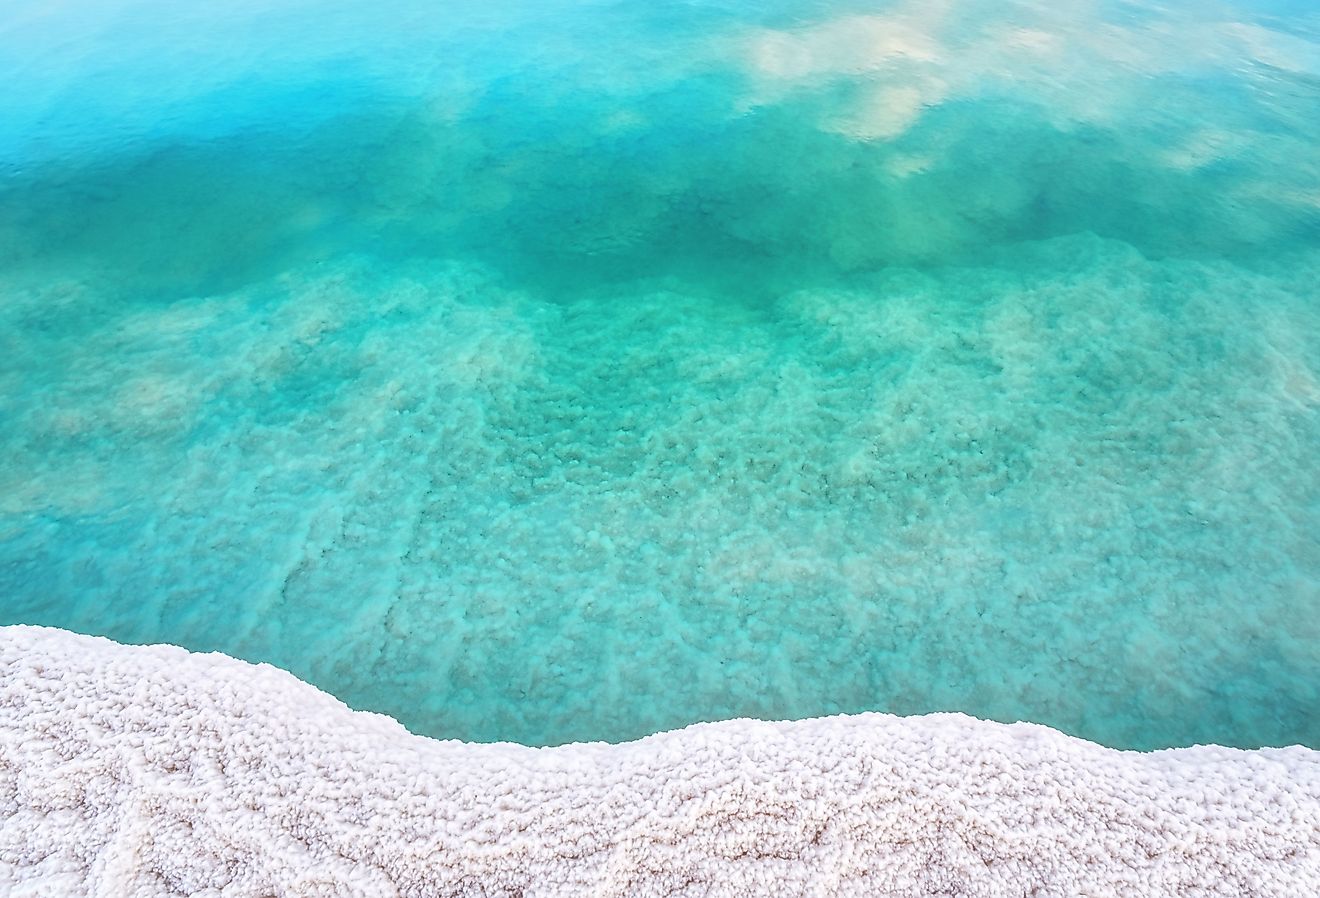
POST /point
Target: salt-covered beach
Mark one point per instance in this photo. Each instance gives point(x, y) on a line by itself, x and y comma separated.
point(150, 771)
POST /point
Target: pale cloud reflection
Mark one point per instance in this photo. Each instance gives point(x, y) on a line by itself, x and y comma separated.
point(1084, 64)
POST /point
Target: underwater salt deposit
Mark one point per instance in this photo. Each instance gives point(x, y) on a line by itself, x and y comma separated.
point(544, 371)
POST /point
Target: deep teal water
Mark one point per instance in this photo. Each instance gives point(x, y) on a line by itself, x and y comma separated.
point(572, 370)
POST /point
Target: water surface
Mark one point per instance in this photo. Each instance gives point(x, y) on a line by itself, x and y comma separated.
point(549, 371)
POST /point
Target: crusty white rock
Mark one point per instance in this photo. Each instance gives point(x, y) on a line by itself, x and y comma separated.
point(129, 771)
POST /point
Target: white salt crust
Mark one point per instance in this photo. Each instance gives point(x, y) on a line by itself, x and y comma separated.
point(150, 771)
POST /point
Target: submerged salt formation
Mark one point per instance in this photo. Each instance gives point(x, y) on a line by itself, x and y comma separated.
point(153, 771)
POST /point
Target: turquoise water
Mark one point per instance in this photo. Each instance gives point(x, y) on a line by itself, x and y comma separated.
point(573, 370)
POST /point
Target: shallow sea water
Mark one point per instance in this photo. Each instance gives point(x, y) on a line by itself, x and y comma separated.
point(572, 370)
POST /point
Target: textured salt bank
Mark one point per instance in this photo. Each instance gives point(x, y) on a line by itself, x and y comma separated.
point(128, 771)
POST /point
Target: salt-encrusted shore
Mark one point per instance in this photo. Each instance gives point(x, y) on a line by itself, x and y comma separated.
point(129, 771)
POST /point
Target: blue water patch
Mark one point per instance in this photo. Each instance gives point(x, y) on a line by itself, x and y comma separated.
point(567, 370)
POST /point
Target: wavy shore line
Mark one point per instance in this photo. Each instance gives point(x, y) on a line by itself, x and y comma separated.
point(151, 771)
